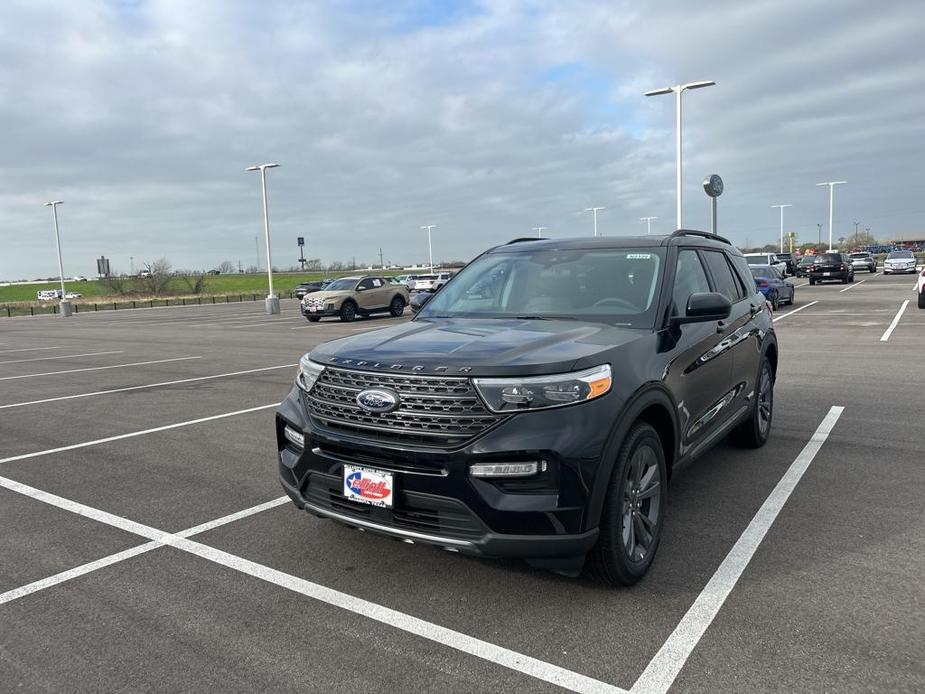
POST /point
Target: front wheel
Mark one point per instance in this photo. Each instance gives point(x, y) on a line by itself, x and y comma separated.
point(397, 307)
point(921, 299)
point(754, 431)
point(631, 520)
point(348, 311)
point(313, 319)
point(775, 301)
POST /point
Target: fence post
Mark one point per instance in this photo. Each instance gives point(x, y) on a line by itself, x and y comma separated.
point(31, 311)
point(152, 303)
point(96, 307)
point(114, 307)
point(9, 313)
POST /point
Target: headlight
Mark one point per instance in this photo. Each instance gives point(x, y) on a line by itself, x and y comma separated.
point(309, 372)
point(538, 392)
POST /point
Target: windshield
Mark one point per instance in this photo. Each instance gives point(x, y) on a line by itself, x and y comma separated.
point(828, 258)
point(808, 260)
point(341, 285)
point(860, 255)
point(617, 286)
point(764, 272)
point(758, 259)
point(899, 254)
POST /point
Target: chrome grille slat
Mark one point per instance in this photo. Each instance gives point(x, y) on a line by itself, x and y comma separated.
point(433, 410)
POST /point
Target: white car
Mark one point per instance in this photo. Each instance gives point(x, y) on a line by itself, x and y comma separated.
point(80, 278)
point(49, 294)
point(921, 289)
point(73, 295)
point(898, 262)
point(767, 259)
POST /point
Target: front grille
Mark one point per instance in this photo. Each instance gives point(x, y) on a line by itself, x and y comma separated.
point(434, 410)
point(314, 301)
point(423, 513)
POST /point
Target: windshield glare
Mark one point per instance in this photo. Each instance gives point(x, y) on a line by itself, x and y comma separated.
point(341, 285)
point(758, 259)
point(617, 286)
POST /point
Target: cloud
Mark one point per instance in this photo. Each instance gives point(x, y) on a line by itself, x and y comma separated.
point(484, 118)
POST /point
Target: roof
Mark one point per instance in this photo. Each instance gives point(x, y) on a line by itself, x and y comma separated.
point(687, 237)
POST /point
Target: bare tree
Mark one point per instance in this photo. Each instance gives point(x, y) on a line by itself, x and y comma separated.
point(193, 282)
point(226, 267)
point(158, 280)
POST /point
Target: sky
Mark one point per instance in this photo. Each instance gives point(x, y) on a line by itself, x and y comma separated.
point(484, 118)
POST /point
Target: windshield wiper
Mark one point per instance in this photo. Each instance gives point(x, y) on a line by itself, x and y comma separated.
point(545, 318)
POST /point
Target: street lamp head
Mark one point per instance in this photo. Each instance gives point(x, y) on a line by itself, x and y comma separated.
point(53, 203)
point(656, 92)
point(831, 183)
point(261, 167)
point(698, 85)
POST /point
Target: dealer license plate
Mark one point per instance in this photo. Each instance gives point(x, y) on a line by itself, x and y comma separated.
point(368, 486)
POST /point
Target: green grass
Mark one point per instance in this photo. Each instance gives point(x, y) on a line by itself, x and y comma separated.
point(216, 285)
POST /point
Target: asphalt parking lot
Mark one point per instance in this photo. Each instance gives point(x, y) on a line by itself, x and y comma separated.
point(146, 544)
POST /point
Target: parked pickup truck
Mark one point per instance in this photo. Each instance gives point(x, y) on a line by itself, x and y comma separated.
point(349, 297)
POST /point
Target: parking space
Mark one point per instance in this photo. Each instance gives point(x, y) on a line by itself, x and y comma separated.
point(146, 544)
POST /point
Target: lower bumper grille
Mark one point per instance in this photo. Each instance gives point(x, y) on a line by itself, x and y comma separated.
point(422, 513)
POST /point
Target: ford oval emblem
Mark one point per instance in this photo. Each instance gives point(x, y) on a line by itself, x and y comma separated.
point(378, 400)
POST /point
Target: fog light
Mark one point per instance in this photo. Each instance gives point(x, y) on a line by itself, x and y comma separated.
point(506, 469)
point(294, 437)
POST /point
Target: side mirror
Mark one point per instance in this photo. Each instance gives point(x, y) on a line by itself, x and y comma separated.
point(704, 307)
point(418, 301)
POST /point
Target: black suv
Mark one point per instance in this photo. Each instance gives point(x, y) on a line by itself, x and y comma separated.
point(831, 266)
point(537, 405)
point(308, 288)
point(790, 262)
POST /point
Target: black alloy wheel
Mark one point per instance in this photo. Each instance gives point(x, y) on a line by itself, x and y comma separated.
point(348, 311)
point(397, 307)
point(755, 430)
point(631, 519)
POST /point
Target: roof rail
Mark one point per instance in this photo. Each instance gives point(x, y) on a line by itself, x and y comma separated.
point(703, 234)
point(522, 238)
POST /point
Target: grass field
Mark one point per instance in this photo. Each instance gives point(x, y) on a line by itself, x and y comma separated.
point(216, 285)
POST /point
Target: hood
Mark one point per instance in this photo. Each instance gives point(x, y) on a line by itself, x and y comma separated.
point(478, 346)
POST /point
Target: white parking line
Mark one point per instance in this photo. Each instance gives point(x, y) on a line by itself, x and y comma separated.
point(89, 567)
point(662, 670)
point(133, 434)
point(852, 286)
point(899, 314)
point(464, 643)
point(27, 349)
point(800, 285)
point(99, 368)
point(146, 386)
point(796, 310)
point(66, 356)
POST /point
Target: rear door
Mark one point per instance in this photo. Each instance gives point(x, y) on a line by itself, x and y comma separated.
point(701, 372)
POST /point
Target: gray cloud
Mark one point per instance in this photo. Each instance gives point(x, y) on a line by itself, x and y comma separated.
point(491, 120)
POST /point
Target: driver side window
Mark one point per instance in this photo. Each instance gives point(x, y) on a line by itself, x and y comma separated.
point(690, 278)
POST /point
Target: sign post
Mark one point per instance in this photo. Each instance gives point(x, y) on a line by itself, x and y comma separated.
point(713, 187)
point(301, 242)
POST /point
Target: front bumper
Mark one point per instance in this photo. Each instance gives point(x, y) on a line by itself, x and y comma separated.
point(321, 313)
point(543, 518)
point(894, 270)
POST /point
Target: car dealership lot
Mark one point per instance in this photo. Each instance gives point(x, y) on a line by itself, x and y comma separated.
point(108, 582)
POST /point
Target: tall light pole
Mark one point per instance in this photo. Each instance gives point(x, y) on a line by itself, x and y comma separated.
point(648, 221)
point(430, 248)
point(819, 228)
point(131, 265)
point(679, 89)
point(539, 231)
point(831, 185)
point(781, 224)
point(64, 304)
point(272, 301)
point(594, 211)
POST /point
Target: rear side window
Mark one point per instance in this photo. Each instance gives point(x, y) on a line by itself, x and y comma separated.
point(829, 258)
point(689, 278)
point(725, 283)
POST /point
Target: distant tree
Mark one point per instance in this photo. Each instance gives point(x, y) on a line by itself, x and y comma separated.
point(226, 267)
point(159, 278)
point(192, 282)
point(252, 270)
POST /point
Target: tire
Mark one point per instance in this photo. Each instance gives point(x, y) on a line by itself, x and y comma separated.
point(775, 301)
point(844, 280)
point(811, 281)
point(348, 311)
point(754, 431)
point(921, 299)
point(313, 319)
point(397, 307)
point(640, 465)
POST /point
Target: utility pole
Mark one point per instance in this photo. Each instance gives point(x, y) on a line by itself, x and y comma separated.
point(679, 89)
point(131, 265)
point(820, 233)
point(381, 264)
point(594, 211)
point(781, 224)
point(648, 221)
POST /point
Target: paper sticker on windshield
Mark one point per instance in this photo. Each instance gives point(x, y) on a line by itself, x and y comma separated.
point(639, 256)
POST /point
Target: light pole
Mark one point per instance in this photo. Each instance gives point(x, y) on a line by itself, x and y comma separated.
point(131, 265)
point(272, 301)
point(648, 221)
point(539, 231)
point(678, 89)
point(64, 304)
point(831, 185)
point(430, 248)
point(819, 227)
point(781, 224)
point(594, 211)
